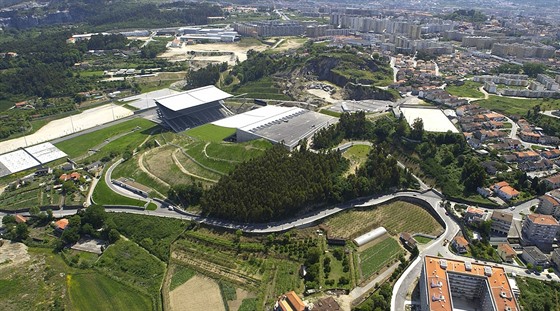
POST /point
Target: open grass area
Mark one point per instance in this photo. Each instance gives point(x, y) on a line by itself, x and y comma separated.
point(195, 168)
point(81, 144)
point(103, 195)
point(517, 106)
point(422, 239)
point(161, 164)
point(94, 291)
point(130, 169)
point(377, 256)
point(264, 88)
point(469, 89)
point(132, 265)
point(396, 217)
point(210, 132)
point(330, 113)
point(249, 304)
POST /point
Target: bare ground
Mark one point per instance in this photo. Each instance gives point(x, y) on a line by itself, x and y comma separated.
point(197, 294)
point(12, 254)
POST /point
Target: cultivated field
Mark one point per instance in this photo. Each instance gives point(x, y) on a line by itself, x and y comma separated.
point(94, 291)
point(377, 256)
point(197, 294)
point(396, 217)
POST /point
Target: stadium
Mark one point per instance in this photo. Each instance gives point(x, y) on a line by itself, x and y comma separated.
point(286, 125)
point(192, 108)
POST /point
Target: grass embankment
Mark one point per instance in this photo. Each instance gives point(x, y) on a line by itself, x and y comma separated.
point(396, 217)
point(211, 132)
point(422, 239)
point(93, 291)
point(264, 88)
point(469, 89)
point(538, 295)
point(80, 145)
point(517, 106)
point(103, 195)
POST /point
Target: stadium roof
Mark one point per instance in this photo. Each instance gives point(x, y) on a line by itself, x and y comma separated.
point(192, 98)
point(45, 153)
point(18, 161)
point(255, 118)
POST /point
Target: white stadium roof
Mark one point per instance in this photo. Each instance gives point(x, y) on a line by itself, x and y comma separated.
point(17, 161)
point(255, 118)
point(434, 119)
point(45, 153)
point(192, 98)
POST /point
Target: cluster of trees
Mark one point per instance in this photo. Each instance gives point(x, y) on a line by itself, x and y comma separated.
point(107, 42)
point(467, 16)
point(350, 126)
point(538, 295)
point(259, 65)
point(379, 301)
point(87, 222)
point(277, 185)
point(186, 195)
point(529, 68)
point(208, 75)
point(152, 49)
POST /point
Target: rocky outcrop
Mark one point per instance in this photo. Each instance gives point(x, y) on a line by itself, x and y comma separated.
point(361, 92)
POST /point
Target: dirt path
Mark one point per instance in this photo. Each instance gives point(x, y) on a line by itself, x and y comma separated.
point(180, 166)
point(145, 170)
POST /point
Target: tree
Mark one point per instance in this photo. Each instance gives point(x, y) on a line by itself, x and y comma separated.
point(94, 215)
point(417, 129)
point(21, 232)
point(34, 211)
point(114, 236)
point(533, 69)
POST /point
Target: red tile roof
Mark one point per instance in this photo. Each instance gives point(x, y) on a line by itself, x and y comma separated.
point(540, 219)
point(61, 224)
point(20, 219)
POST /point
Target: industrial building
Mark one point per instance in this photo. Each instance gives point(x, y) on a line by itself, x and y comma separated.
point(286, 125)
point(192, 108)
point(26, 158)
point(447, 284)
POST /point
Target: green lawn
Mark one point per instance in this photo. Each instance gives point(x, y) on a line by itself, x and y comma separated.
point(264, 88)
point(103, 195)
point(330, 113)
point(469, 89)
point(248, 304)
point(517, 106)
point(94, 291)
point(374, 258)
point(211, 132)
point(81, 144)
point(422, 239)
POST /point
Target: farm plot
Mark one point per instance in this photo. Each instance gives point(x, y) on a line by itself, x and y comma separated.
point(377, 256)
point(94, 291)
point(197, 294)
point(396, 217)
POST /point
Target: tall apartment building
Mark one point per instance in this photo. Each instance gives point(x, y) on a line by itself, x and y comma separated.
point(540, 230)
point(522, 51)
point(447, 284)
point(548, 82)
point(270, 28)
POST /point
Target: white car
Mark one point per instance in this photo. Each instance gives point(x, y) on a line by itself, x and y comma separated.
point(512, 208)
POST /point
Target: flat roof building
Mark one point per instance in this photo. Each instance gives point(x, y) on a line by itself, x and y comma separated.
point(447, 284)
point(540, 230)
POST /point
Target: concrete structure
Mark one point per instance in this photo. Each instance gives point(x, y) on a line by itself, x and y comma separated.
point(434, 119)
point(447, 284)
point(270, 28)
point(286, 125)
point(192, 108)
point(518, 50)
point(208, 34)
point(370, 236)
point(533, 255)
point(540, 230)
point(26, 158)
point(555, 258)
point(506, 252)
point(501, 222)
point(474, 214)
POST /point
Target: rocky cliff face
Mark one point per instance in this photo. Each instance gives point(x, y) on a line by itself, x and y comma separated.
point(322, 68)
point(361, 92)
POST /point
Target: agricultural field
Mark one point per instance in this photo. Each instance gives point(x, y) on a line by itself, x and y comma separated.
point(28, 196)
point(94, 291)
point(517, 106)
point(197, 294)
point(374, 258)
point(469, 89)
point(80, 145)
point(132, 265)
point(396, 217)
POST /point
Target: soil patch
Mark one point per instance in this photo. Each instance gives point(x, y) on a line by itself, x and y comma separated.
point(197, 294)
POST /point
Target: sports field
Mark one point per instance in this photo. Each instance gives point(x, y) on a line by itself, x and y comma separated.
point(94, 291)
point(377, 256)
point(396, 217)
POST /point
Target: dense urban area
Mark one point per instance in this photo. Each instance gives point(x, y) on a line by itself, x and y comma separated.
point(280, 155)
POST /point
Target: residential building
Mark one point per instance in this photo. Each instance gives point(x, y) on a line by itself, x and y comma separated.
point(551, 154)
point(408, 240)
point(533, 255)
point(20, 219)
point(61, 224)
point(460, 244)
point(506, 252)
point(527, 156)
point(501, 222)
point(72, 176)
point(474, 214)
point(505, 191)
point(540, 230)
point(555, 258)
point(446, 284)
point(552, 182)
point(549, 205)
